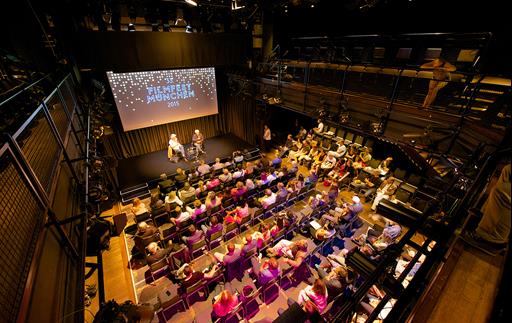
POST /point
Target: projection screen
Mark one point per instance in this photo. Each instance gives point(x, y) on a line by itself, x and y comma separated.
point(150, 98)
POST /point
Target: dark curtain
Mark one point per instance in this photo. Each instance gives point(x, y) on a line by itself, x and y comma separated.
point(141, 51)
point(238, 115)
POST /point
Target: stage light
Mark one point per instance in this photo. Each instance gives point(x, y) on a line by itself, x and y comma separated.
point(189, 29)
point(235, 5)
point(191, 2)
point(131, 27)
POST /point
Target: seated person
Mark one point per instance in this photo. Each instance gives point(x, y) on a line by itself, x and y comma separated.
point(352, 152)
point(249, 168)
point(199, 208)
point(201, 190)
point(282, 192)
point(262, 236)
point(155, 253)
point(333, 193)
point(157, 208)
point(218, 165)
point(193, 277)
point(316, 293)
point(186, 192)
point(316, 201)
point(182, 216)
point(180, 178)
point(212, 200)
point(382, 239)
point(145, 230)
point(268, 199)
point(171, 198)
point(165, 185)
point(276, 162)
point(239, 172)
point(302, 151)
point(226, 176)
point(341, 151)
point(305, 313)
point(248, 245)
point(194, 236)
point(320, 127)
point(175, 145)
point(241, 211)
point(294, 168)
point(336, 280)
point(224, 304)
point(312, 178)
point(347, 213)
point(238, 157)
point(369, 183)
point(299, 253)
point(279, 225)
point(366, 155)
point(249, 184)
point(203, 168)
point(214, 227)
point(386, 189)
point(288, 145)
point(232, 255)
point(138, 207)
point(313, 152)
point(238, 191)
point(265, 270)
point(282, 249)
point(325, 232)
point(212, 183)
point(384, 165)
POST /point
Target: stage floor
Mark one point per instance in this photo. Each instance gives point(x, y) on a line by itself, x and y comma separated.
point(141, 169)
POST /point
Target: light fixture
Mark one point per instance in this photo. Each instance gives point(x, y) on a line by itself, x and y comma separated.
point(131, 27)
point(191, 2)
point(235, 5)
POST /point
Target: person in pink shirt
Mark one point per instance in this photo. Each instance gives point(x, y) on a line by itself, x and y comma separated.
point(316, 293)
point(224, 304)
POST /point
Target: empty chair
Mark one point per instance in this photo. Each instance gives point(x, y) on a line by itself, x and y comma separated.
point(194, 289)
point(214, 240)
point(157, 268)
point(143, 217)
point(400, 174)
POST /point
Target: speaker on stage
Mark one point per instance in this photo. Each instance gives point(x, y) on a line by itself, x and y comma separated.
point(120, 221)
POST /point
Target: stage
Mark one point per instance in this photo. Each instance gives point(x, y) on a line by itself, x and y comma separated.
point(141, 169)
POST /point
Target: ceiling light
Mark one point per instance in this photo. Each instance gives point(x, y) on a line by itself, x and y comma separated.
point(131, 27)
point(235, 5)
point(191, 2)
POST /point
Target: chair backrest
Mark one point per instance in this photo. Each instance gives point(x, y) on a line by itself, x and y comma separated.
point(185, 224)
point(215, 235)
point(156, 266)
point(234, 269)
point(141, 243)
point(142, 217)
point(231, 226)
point(198, 245)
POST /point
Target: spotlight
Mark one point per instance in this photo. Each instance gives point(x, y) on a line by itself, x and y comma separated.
point(131, 27)
point(191, 2)
point(235, 5)
point(189, 29)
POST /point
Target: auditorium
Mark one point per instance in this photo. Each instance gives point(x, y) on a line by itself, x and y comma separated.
point(255, 161)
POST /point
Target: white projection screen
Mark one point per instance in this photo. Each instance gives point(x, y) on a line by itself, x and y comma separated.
point(151, 98)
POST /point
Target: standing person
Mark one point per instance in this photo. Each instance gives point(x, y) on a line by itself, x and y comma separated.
point(198, 140)
point(440, 75)
point(267, 138)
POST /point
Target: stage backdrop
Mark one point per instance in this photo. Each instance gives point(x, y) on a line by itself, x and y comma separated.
point(236, 116)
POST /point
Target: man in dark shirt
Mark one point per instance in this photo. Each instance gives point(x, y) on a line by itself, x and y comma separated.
point(180, 178)
point(193, 277)
point(145, 230)
point(156, 253)
point(165, 185)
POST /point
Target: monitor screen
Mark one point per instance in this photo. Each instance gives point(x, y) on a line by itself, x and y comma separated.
point(404, 53)
point(151, 98)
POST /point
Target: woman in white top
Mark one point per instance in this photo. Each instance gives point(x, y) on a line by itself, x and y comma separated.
point(172, 198)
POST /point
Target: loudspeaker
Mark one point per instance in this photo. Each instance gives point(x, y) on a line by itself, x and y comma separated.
point(120, 221)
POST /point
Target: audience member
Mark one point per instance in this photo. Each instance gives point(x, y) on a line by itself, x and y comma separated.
point(165, 185)
point(193, 277)
point(225, 176)
point(199, 208)
point(218, 165)
point(172, 198)
point(145, 230)
point(203, 168)
point(232, 255)
point(224, 304)
point(182, 216)
point(265, 271)
point(180, 178)
point(214, 227)
point(138, 207)
point(187, 192)
point(386, 189)
point(194, 236)
point(316, 293)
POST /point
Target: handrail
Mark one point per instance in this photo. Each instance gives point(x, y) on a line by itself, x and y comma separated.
point(24, 89)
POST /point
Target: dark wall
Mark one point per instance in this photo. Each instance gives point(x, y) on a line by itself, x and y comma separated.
point(137, 51)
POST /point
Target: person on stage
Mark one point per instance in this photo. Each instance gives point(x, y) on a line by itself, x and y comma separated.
point(197, 140)
point(175, 145)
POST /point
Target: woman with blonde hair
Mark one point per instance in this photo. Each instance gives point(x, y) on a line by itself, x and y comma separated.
point(138, 207)
point(316, 293)
point(224, 304)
